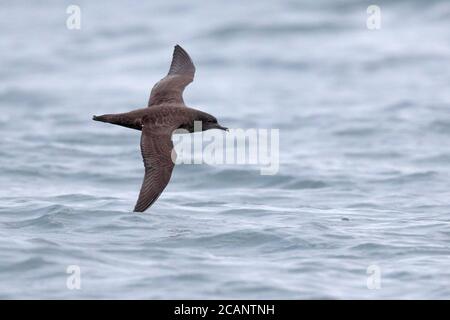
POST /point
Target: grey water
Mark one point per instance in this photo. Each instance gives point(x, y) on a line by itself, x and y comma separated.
point(360, 206)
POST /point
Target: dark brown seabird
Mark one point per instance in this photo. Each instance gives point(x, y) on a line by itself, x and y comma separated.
point(165, 113)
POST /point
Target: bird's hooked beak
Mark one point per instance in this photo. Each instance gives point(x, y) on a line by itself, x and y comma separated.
point(218, 126)
point(212, 125)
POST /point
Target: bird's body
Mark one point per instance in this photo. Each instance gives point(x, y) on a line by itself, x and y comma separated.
point(166, 112)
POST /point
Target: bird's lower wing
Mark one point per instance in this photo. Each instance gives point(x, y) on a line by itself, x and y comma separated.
point(157, 153)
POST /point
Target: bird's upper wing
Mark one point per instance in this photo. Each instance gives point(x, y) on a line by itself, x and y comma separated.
point(157, 153)
point(170, 88)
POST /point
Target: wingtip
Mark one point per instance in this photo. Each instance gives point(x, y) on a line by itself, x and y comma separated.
point(179, 48)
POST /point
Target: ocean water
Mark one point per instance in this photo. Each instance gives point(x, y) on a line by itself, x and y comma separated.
point(360, 207)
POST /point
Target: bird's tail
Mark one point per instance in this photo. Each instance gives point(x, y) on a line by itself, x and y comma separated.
point(103, 118)
point(110, 118)
point(121, 120)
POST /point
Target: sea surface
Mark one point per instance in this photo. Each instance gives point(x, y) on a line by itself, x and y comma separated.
point(360, 206)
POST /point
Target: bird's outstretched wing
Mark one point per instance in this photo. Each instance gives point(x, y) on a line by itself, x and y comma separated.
point(170, 88)
point(157, 153)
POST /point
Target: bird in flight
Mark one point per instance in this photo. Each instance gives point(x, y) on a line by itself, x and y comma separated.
point(165, 113)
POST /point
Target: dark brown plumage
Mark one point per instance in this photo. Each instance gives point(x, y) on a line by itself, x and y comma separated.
point(165, 113)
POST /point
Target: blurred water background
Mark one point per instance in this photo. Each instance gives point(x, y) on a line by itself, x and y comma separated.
point(364, 119)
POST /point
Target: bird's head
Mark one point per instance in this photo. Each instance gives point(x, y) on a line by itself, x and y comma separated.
point(208, 121)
